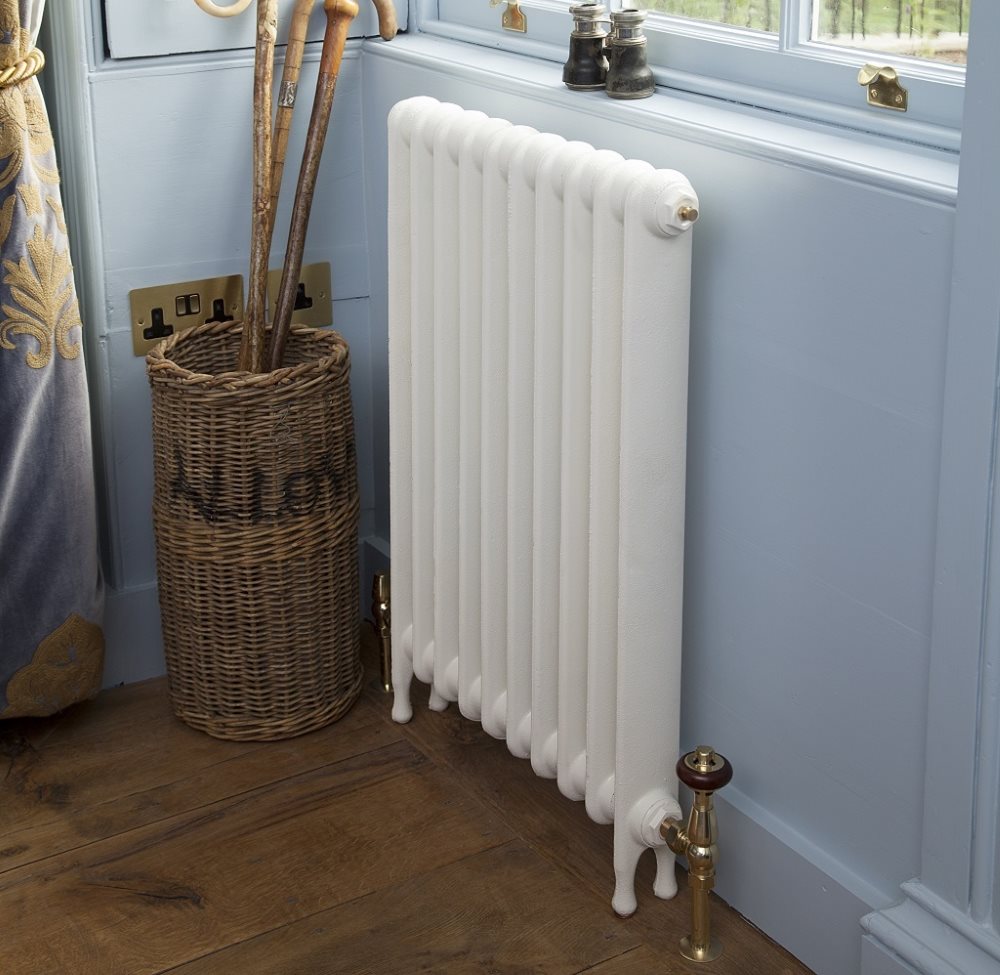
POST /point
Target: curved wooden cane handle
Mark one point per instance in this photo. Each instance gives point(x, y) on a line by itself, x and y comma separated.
point(388, 28)
point(339, 14)
point(216, 11)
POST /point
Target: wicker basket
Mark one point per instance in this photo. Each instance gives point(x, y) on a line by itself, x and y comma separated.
point(256, 515)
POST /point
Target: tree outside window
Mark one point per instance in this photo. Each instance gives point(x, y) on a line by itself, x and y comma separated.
point(931, 29)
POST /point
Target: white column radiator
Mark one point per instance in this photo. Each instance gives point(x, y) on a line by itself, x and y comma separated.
point(539, 297)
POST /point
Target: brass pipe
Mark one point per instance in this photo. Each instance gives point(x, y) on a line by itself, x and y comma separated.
point(382, 623)
point(704, 772)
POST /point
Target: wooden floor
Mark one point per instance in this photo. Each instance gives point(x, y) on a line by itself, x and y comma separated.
point(130, 843)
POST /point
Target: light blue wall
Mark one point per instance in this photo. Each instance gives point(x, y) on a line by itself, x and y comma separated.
point(819, 326)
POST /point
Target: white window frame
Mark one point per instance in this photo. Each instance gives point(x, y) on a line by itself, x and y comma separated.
point(785, 72)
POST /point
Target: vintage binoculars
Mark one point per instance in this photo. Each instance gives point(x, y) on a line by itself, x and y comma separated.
point(616, 62)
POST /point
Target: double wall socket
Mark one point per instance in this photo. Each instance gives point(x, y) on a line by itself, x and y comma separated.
point(170, 308)
point(313, 300)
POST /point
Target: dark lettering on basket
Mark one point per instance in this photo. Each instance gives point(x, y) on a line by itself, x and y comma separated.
point(207, 505)
point(302, 492)
point(299, 493)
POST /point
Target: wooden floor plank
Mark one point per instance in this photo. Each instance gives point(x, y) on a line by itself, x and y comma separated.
point(71, 792)
point(150, 899)
point(113, 712)
point(558, 828)
point(505, 910)
point(84, 756)
point(640, 961)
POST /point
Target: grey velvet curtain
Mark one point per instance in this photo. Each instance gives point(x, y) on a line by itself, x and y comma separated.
point(51, 642)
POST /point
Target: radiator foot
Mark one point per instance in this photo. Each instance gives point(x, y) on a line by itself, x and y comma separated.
point(704, 772)
point(665, 885)
point(627, 853)
point(402, 709)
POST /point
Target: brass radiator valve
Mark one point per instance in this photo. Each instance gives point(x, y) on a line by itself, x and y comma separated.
point(382, 624)
point(704, 772)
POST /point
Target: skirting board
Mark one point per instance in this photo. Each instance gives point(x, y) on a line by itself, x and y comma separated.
point(767, 874)
point(132, 638)
point(876, 959)
point(927, 936)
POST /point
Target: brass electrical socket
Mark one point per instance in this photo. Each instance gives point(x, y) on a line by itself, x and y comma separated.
point(314, 304)
point(170, 308)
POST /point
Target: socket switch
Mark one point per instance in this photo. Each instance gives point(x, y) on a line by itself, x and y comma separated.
point(170, 308)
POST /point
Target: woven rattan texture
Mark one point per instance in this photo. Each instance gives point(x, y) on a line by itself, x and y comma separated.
point(255, 509)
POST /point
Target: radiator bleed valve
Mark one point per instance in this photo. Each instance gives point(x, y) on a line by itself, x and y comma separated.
point(587, 67)
point(629, 73)
point(704, 772)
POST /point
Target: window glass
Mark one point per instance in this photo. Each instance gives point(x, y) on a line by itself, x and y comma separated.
point(937, 30)
point(753, 14)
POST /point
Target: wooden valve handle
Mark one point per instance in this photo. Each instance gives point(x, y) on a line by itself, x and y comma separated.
point(703, 770)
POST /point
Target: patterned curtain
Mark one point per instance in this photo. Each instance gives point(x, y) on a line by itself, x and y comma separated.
point(51, 642)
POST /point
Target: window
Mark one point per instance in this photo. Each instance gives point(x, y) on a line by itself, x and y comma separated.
point(937, 30)
point(799, 57)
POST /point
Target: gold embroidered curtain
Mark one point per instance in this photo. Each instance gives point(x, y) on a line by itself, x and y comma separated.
point(51, 643)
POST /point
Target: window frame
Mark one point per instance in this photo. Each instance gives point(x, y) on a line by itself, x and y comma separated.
point(786, 72)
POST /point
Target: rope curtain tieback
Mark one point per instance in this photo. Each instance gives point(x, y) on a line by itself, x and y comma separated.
point(30, 65)
point(216, 11)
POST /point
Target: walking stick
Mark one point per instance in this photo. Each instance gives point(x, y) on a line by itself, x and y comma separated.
point(387, 26)
point(298, 30)
point(339, 14)
point(252, 344)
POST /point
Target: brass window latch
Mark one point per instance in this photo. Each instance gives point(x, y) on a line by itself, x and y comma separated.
point(884, 89)
point(513, 16)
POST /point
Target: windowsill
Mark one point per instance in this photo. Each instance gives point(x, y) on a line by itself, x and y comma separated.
point(887, 163)
point(737, 66)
